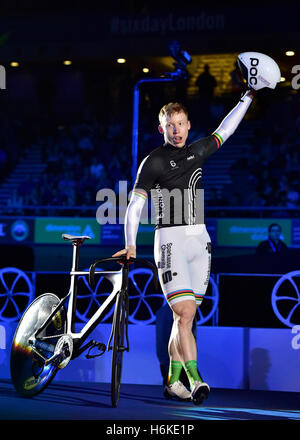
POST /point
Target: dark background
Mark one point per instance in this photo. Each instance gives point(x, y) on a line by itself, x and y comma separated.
point(81, 114)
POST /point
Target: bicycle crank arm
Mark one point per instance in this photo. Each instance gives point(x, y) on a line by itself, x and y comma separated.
point(55, 359)
point(39, 354)
point(63, 352)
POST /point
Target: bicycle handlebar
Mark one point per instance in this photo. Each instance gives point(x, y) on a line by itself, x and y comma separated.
point(125, 262)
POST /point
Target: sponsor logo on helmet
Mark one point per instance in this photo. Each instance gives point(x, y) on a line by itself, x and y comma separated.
point(253, 71)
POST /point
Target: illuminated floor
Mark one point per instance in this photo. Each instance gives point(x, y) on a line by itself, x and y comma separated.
point(91, 401)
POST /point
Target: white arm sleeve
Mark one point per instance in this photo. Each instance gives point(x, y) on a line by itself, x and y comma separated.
point(233, 119)
point(132, 218)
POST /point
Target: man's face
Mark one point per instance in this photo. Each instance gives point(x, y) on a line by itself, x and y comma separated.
point(274, 233)
point(175, 129)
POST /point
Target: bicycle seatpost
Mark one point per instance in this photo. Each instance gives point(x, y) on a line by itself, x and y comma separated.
point(125, 262)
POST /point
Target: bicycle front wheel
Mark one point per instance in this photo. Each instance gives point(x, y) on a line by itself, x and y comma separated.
point(117, 349)
point(28, 371)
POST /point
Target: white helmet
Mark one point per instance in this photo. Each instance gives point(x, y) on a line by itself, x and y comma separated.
point(259, 70)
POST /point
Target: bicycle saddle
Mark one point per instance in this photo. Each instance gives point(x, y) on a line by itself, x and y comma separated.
point(77, 239)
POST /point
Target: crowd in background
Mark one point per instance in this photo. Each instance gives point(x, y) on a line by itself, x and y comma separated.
point(86, 154)
point(269, 172)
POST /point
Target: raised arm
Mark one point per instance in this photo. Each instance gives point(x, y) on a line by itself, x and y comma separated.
point(233, 119)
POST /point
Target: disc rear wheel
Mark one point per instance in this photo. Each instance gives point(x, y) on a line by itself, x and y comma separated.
point(29, 373)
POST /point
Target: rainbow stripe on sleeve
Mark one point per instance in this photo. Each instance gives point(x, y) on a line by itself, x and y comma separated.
point(218, 139)
point(140, 193)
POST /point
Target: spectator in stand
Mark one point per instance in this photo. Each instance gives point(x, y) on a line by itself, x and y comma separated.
point(273, 244)
point(292, 197)
point(213, 198)
point(66, 183)
point(253, 199)
point(87, 203)
point(70, 197)
point(206, 84)
point(54, 158)
point(26, 188)
point(15, 203)
point(85, 143)
point(96, 168)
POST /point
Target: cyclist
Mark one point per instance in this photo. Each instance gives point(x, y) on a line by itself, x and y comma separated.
point(182, 247)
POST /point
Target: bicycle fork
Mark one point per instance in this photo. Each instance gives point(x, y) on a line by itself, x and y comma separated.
point(115, 323)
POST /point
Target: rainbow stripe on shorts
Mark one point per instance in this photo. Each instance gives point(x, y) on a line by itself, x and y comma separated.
point(199, 297)
point(182, 293)
point(179, 294)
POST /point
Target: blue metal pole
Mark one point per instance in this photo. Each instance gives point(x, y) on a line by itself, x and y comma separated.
point(135, 122)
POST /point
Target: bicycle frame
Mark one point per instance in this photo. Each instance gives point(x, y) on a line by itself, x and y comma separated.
point(116, 277)
point(40, 348)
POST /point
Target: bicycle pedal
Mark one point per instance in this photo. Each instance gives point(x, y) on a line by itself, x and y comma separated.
point(101, 347)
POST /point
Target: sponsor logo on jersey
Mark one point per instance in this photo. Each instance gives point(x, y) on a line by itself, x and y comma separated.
point(191, 157)
point(172, 163)
point(166, 255)
point(159, 202)
point(167, 276)
point(208, 248)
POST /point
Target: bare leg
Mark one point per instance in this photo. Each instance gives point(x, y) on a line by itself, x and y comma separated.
point(182, 344)
point(182, 347)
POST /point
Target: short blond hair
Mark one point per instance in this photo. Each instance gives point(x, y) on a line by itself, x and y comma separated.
point(170, 109)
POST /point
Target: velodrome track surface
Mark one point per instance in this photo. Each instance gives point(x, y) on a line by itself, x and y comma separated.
point(91, 401)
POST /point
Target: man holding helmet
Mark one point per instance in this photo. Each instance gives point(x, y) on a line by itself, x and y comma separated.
point(182, 247)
